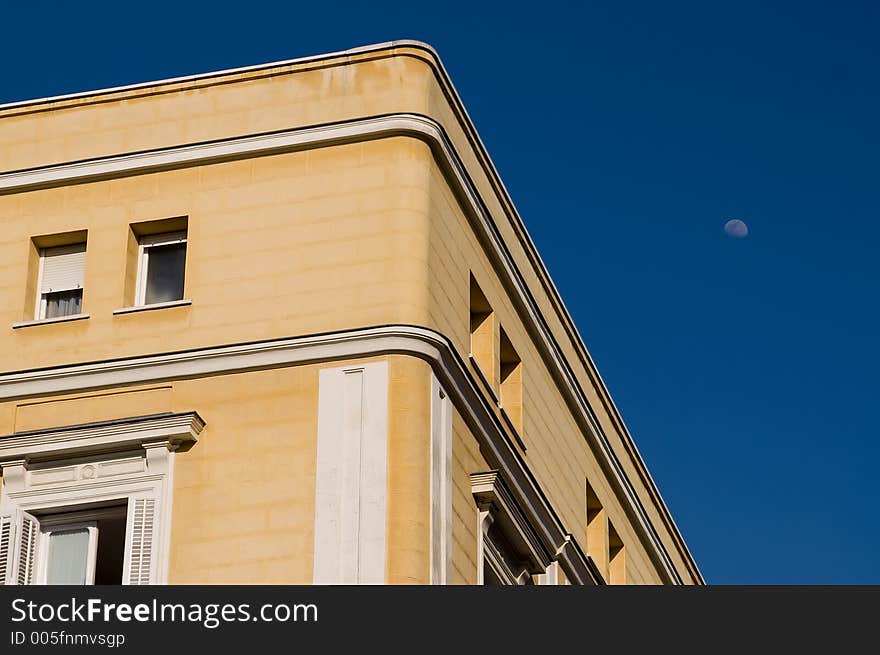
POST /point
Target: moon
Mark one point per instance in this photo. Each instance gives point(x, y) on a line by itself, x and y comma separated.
point(736, 228)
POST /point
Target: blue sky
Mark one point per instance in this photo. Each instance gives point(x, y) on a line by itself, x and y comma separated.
point(627, 134)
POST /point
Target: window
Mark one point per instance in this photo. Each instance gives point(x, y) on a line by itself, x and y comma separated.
point(597, 532)
point(508, 550)
point(82, 547)
point(161, 265)
point(604, 544)
point(70, 553)
point(482, 329)
point(496, 361)
point(60, 283)
point(552, 577)
point(88, 504)
point(616, 557)
point(511, 383)
point(500, 565)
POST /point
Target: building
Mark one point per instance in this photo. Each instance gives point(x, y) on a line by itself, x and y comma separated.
point(283, 324)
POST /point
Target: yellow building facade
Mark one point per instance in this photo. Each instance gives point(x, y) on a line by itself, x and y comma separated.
point(283, 324)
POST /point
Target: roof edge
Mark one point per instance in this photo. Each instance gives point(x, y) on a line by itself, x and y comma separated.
point(196, 77)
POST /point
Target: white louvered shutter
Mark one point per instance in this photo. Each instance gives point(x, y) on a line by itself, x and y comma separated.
point(64, 268)
point(26, 546)
point(140, 541)
point(5, 549)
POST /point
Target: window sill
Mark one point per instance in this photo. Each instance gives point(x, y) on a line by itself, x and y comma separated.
point(158, 305)
point(49, 321)
point(513, 429)
point(476, 366)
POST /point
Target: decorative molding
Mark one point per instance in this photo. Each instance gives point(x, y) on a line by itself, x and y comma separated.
point(54, 102)
point(199, 154)
point(95, 463)
point(219, 360)
point(493, 557)
point(550, 577)
point(492, 495)
point(441, 484)
point(568, 552)
point(351, 475)
point(484, 522)
point(420, 342)
point(173, 430)
point(452, 163)
point(96, 470)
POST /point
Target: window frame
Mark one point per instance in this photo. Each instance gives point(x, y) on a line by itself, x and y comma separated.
point(510, 386)
point(91, 465)
point(75, 520)
point(482, 338)
point(507, 543)
point(40, 303)
point(496, 557)
point(42, 555)
point(125, 490)
point(145, 244)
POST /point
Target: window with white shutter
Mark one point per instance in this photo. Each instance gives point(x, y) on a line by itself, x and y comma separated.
point(83, 546)
point(100, 512)
point(28, 532)
point(5, 549)
point(62, 277)
point(140, 544)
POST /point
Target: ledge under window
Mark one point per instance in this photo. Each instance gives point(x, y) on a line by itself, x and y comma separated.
point(156, 305)
point(48, 321)
point(513, 429)
point(480, 374)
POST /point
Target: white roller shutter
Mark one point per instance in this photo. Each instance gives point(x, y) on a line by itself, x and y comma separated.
point(63, 268)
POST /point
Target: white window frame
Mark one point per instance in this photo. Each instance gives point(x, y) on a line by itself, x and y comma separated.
point(551, 576)
point(496, 556)
point(62, 468)
point(40, 313)
point(515, 542)
point(40, 303)
point(75, 520)
point(145, 244)
point(42, 556)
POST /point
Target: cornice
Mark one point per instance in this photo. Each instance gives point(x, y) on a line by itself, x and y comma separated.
point(424, 343)
point(491, 493)
point(187, 82)
point(172, 430)
point(197, 154)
